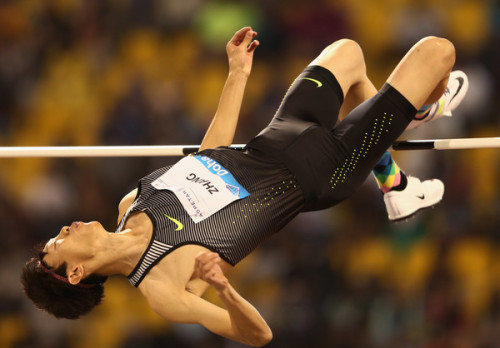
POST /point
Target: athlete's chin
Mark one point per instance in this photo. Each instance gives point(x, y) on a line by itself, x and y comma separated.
point(95, 225)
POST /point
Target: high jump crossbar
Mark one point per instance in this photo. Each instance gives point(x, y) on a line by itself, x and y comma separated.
point(182, 150)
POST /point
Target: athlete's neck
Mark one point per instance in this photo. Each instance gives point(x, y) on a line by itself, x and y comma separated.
point(119, 253)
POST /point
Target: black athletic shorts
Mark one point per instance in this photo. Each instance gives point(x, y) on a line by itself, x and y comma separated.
point(329, 160)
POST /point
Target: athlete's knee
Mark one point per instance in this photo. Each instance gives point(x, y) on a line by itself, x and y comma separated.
point(344, 56)
point(439, 52)
point(346, 48)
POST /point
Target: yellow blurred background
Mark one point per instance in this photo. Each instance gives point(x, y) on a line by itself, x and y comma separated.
point(149, 72)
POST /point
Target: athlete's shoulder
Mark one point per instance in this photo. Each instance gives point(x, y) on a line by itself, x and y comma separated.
point(125, 203)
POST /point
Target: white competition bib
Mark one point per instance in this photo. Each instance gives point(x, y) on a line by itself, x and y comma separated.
point(202, 185)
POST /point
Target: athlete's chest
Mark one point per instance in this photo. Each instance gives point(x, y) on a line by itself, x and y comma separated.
point(178, 269)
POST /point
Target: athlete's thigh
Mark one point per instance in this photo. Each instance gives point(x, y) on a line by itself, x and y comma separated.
point(368, 131)
point(345, 60)
point(314, 97)
point(331, 165)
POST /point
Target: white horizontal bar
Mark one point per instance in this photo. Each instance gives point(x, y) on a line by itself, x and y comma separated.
point(182, 150)
point(447, 144)
point(98, 151)
point(466, 143)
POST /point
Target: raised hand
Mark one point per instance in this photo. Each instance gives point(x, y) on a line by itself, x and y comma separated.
point(240, 50)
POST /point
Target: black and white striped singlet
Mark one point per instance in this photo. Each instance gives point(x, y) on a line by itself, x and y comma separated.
point(234, 231)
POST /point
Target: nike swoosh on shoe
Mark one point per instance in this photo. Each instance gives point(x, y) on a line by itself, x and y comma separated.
point(460, 85)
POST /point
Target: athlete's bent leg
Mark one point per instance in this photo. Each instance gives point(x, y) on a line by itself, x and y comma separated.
point(373, 126)
point(345, 60)
point(422, 74)
point(429, 85)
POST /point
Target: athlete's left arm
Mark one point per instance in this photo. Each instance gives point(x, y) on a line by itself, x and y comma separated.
point(240, 50)
point(239, 321)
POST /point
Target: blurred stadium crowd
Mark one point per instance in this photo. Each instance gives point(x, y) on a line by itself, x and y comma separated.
point(139, 72)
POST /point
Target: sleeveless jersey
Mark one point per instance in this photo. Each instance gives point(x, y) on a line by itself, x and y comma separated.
point(235, 230)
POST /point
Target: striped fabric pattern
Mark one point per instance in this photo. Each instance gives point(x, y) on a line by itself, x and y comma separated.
point(155, 252)
point(234, 231)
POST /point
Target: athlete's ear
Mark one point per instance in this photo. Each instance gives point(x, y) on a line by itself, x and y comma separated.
point(76, 274)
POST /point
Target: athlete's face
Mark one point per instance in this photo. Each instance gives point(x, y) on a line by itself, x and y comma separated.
point(73, 244)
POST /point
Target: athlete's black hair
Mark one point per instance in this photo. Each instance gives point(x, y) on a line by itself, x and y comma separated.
point(57, 297)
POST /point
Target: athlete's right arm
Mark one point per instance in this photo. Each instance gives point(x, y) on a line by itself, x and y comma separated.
point(240, 50)
point(240, 321)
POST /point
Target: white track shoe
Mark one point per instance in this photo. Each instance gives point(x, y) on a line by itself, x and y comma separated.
point(416, 196)
point(452, 97)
